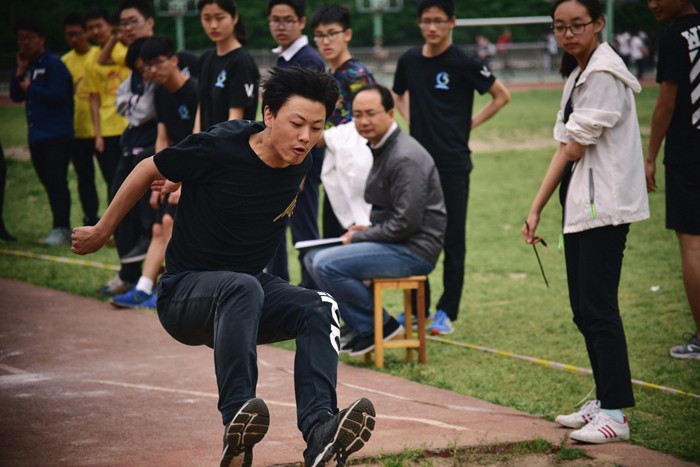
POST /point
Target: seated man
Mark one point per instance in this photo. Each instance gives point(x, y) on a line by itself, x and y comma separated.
point(407, 221)
point(240, 180)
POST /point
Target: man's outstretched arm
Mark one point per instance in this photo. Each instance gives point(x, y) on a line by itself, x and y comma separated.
point(90, 239)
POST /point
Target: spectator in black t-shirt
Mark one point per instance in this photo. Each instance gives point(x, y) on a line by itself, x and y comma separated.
point(677, 119)
point(240, 182)
point(176, 106)
point(228, 74)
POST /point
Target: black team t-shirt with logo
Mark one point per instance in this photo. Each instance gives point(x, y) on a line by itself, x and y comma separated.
point(177, 110)
point(227, 81)
point(233, 208)
point(441, 93)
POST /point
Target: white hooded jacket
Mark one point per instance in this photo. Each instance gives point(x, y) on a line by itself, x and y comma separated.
point(607, 185)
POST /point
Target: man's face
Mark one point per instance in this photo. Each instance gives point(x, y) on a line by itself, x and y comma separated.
point(134, 25)
point(99, 30)
point(76, 36)
point(667, 10)
point(371, 119)
point(161, 68)
point(332, 40)
point(295, 130)
point(285, 25)
point(435, 26)
point(31, 44)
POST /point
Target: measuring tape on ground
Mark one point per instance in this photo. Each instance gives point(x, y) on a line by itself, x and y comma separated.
point(60, 259)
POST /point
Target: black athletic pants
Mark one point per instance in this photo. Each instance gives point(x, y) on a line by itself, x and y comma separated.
point(233, 312)
point(593, 268)
point(82, 151)
point(51, 158)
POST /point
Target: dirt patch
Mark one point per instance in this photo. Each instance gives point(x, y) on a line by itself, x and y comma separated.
point(17, 152)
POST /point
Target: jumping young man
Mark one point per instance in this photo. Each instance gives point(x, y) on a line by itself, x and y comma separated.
point(240, 180)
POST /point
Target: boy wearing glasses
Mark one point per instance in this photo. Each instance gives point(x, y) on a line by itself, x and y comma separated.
point(175, 102)
point(434, 89)
point(332, 34)
point(287, 19)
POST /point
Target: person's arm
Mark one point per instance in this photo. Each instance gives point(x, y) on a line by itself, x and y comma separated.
point(235, 113)
point(89, 239)
point(660, 122)
point(196, 128)
point(19, 83)
point(551, 181)
point(97, 125)
point(401, 102)
point(499, 98)
point(105, 56)
point(162, 139)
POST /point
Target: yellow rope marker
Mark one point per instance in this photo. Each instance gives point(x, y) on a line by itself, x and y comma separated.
point(556, 365)
point(60, 259)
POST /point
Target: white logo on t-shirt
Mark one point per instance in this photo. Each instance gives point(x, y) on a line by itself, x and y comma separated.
point(249, 88)
point(485, 72)
point(442, 80)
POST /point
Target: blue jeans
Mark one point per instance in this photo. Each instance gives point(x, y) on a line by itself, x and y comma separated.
point(341, 270)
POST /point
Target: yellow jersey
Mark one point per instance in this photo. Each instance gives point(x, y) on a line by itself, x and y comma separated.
point(77, 64)
point(104, 80)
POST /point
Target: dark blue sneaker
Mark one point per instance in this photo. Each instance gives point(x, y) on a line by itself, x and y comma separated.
point(248, 428)
point(441, 324)
point(340, 435)
point(401, 317)
point(132, 299)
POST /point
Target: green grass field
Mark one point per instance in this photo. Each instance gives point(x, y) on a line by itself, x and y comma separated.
point(505, 305)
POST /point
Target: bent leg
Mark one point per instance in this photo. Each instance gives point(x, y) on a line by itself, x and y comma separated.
point(312, 319)
point(220, 309)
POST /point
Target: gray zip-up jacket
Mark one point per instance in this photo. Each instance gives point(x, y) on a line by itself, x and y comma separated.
point(404, 190)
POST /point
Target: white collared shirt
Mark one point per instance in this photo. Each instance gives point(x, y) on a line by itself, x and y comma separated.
point(292, 49)
point(381, 142)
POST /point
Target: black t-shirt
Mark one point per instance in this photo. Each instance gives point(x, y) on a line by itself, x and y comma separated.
point(441, 97)
point(177, 110)
point(227, 81)
point(234, 208)
point(679, 60)
point(188, 63)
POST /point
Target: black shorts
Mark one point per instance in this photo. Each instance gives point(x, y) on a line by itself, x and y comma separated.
point(163, 209)
point(683, 198)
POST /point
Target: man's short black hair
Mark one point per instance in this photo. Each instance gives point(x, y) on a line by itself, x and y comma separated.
point(97, 12)
point(448, 6)
point(328, 14)
point(142, 6)
point(384, 93)
point(134, 52)
point(299, 6)
point(31, 25)
point(283, 83)
point(74, 19)
point(157, 46)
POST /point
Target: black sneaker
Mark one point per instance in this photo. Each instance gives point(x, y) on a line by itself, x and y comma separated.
point(347, 340)
point(365, 343)
point(247, 428)
point(340, 435)
point(138, 252)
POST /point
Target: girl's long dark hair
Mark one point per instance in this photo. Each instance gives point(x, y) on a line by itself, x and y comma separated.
point(229, 6)
point(568, 62)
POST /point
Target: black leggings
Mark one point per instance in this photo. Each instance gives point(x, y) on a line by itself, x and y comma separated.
point(51, 158)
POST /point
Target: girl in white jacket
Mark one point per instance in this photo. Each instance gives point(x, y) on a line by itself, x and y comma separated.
point(600, 167)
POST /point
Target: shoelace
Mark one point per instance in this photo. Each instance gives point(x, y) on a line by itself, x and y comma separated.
point(589, 407)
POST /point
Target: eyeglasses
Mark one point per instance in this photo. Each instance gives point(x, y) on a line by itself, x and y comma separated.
point(130, 22)
point(154, 64)
point(27, 38)
point(330, 35)
point(574, 28)
point(426, 23)
point(369, 114)
point(282, 23)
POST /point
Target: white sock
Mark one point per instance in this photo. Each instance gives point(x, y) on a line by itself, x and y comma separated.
point(617, 414)
point(145, 285)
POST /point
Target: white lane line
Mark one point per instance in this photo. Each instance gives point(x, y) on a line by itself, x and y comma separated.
point(11, 369)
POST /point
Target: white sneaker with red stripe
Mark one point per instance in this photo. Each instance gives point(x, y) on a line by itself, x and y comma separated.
point(577, 419)
point(602, 429)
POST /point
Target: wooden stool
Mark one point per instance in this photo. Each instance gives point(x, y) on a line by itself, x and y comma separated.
point(407, 284)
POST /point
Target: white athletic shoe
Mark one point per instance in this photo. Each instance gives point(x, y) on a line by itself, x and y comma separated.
point(577, 419)
point(602, 429)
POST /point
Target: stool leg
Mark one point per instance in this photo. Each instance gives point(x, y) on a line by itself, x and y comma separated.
point(420, 300)
point(408, 320)
point(378, 327)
